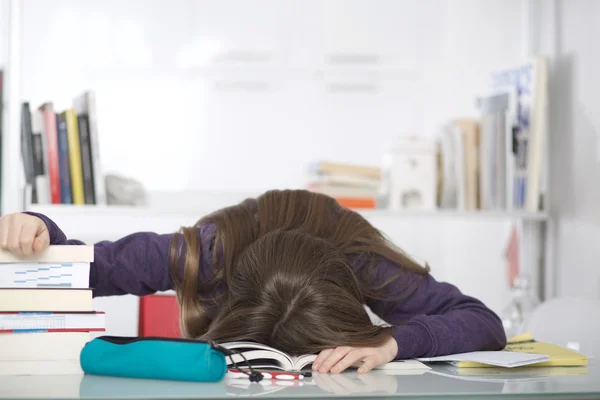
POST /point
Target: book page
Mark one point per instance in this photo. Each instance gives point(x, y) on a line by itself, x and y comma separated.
point(261, 359)
point(404, 365)
point(243, 346)
point(303, 361)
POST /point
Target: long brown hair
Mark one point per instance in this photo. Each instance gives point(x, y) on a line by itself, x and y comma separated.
point(290, 269)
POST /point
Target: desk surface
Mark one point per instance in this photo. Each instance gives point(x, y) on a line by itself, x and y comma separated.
point(441, 382)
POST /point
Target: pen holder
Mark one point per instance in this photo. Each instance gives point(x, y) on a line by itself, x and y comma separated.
point(153, 358)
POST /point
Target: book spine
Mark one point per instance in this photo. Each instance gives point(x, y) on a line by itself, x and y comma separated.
point(26, 144)
point(52, 154)
point(41, 188)
point(356, 203)
point(99, 185)
point(74, 157)
point(66, 330)
point(86, 159)
point(63, 161)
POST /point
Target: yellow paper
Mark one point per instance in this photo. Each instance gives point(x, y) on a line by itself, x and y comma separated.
point(559, 356)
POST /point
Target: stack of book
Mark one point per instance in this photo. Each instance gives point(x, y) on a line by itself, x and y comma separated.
point(60, 153)
point(46, 312)
point(497, 161)
point(353, 186)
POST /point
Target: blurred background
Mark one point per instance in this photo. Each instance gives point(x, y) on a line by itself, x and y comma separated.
point(466, 130)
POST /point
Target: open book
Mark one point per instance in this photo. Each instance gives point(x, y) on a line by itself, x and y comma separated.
point(261, 356)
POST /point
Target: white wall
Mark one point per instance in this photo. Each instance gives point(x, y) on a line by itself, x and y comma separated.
point(569, 34)
point(243, 101)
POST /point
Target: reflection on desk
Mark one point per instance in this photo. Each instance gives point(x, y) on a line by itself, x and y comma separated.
point(442, 381)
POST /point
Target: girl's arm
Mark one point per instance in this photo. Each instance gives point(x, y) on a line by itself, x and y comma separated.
point(434, 318)
point(137, 264)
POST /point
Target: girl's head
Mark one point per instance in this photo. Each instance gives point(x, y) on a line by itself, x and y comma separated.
point(285, 264)
point(297, 293)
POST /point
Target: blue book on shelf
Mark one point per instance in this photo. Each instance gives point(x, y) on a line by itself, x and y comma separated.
point(66, 194)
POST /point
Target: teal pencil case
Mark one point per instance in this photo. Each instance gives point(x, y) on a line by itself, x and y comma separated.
point(154, 358)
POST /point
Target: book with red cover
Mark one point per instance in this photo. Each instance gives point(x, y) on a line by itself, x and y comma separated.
point(159, 316)
point(52, 151)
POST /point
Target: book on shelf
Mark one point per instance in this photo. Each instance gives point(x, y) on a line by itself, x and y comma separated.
point(87, 115)
point(60, 153)
point(453, 168)
point(262, 356)
point(496, 161)
point(496, 128)
point(64, 164)
point(46, 310)
point(353, 186)
point(525, 145)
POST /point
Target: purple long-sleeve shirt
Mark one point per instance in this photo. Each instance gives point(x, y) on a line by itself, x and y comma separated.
point(435, 319)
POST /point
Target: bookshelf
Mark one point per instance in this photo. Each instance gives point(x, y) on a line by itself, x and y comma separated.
point(536, 226)
point(134, 211)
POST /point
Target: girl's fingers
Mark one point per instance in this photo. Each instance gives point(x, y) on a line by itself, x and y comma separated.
point(349, 360)
point(320, 358)
point(14, 239)
point(369, 363)
point(26, 239)
point(41, 242)
point(4, 225)
point(333, 358)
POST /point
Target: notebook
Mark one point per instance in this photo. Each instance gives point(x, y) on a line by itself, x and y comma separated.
point(520, 351)
point(265, 357)
point(558, 356)
point(505, 359)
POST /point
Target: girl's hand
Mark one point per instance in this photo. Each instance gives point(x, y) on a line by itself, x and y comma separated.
point(338, 359)
point(23, 234)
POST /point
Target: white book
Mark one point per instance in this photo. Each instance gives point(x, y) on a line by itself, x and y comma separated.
point(45, 275)
point(449, 198)
point(42, 182)
point(460, 167)
point(53, 254)
point(345, 180)
point(50, 321)
point(46, 299)
point(344, 191)
point(59, 266)
point(54, 367)
point(507, 359)
point(529, 81)
point(42, 346)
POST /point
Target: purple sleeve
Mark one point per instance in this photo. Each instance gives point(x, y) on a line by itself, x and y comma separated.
point(434, 318)
point(137, 264)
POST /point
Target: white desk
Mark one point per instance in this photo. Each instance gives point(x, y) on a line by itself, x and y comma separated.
point(532, 383)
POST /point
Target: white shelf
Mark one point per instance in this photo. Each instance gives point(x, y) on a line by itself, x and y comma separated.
point(106, 211)
point(470, 215)
point(131, 211)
